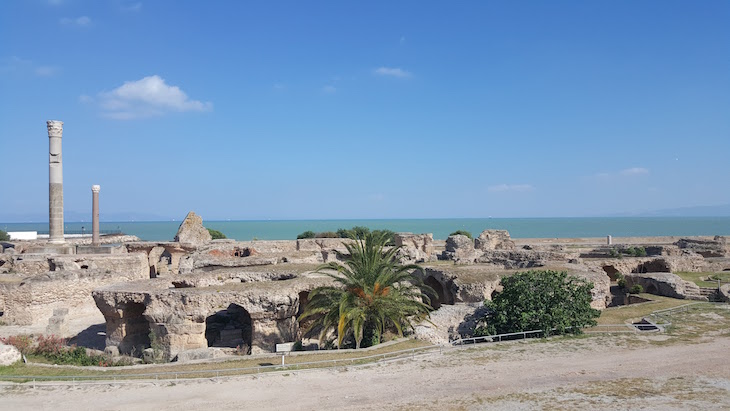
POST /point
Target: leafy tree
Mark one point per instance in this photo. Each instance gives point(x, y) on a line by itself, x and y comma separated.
point(462, 232)
point(4, 236)
point(550, 301)
point(354, 232)
point(327, 234)
point(373, 293)
point(306, 234)
point(215, 234)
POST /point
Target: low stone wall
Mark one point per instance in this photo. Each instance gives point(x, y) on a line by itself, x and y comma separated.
point(31, 299)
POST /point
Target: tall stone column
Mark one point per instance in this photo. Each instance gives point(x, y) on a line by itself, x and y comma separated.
point(95, 214)
point(55, 182)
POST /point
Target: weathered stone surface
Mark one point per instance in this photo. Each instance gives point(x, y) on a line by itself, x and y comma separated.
point(716, 247)
point(192, 231)
point(30, 299)
point(9, 355)
point(666, 284)
point(415, 247)
point(515, 259)
point(494, 240)
point(724, 292)
point(449, 323)
point(199, 354)
point(460, 249)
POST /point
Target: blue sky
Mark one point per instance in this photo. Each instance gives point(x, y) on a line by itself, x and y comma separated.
point(299, 110)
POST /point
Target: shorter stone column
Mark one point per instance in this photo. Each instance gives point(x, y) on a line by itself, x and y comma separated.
point(95, 214)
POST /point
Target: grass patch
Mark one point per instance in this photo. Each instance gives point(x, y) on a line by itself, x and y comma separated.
point(623, 313)
point(701, 278)
point(207, 370)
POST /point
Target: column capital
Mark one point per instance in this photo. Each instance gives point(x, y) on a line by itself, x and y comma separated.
point(95, 188)
point(55, 128)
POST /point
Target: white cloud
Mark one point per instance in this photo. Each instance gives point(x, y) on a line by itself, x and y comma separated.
point(135, 7)
point(147, 97)
point(516, 188)
point(279, 87)
point(627, 172)
point(634, 171)
point(392, 72)
point(329, 89)
point(78, 21)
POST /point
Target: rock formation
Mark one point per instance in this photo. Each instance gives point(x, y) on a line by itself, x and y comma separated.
point(494, 240)
point(9, 355)
point(192, 231)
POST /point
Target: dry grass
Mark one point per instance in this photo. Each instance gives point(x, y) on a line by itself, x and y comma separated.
point(624, 313)
point(700, 278)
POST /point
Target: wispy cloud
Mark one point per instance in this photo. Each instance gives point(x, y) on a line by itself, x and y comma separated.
point(82, 21)
point(627, 172)
point(516, 188)
point(279, 86)
point(402, 40)
point(392, 72)
point(20, 65)
point(133, 7)
point(329, 89)
point(634, 171)
point(147, 97)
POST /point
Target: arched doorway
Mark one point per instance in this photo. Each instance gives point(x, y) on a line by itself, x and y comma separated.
point(443, 295)
point(230, 328)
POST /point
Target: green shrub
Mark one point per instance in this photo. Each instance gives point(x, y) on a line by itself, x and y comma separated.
point(621, 283)
point(307, 234)
point(613, 253)
point(550, 301)
point(635, 251)
point(217, 235)
point(462, 232)
point(327, 234)
point(4, 236)
point(636, 289)
point(354, 232)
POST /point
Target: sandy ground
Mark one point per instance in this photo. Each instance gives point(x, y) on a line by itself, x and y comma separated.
point(586, 373)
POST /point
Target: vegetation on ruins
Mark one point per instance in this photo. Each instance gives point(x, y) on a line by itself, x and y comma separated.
point(636, 289)
point(354, 232)
point(215, 234)
point(4, 236)
point(630, 251)
point(462, 232)
point(54, 350)
point(374, 293)
point(551, 301)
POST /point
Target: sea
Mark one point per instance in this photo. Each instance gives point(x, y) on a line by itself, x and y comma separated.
point(441, 228)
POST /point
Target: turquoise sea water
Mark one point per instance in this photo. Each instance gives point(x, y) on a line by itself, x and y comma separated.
point(441, 228)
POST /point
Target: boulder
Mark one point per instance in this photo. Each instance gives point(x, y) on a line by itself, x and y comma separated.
point(199, 354)
point(191, 231)
point(9, 355)
point(724, 293)
point(494, 240)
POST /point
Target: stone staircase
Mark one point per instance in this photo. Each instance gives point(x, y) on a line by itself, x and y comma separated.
point(712, 294)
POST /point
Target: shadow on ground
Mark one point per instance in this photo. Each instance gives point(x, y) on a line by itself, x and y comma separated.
point(93, 337)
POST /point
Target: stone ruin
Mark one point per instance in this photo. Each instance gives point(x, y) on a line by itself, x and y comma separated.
point(196, 297)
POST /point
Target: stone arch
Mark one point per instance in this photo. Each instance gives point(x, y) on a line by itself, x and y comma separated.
point(231, 328)
point(653, 266)
point(651, 288)
point(443, 294)
point(136, 335)
point(612, 272)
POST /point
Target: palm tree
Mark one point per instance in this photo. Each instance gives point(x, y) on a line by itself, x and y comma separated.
point(375, 292)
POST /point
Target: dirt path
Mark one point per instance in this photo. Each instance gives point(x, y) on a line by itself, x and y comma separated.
point(590, 373)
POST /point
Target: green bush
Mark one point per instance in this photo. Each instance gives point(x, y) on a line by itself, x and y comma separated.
point(327, 234)
point(23, 342)
point(550, 301)
point(621, 283)
point(636, 289)
point(4, 236)
point(635, 251)
point(307, 234)
point(217, 235)
point(462, 232)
